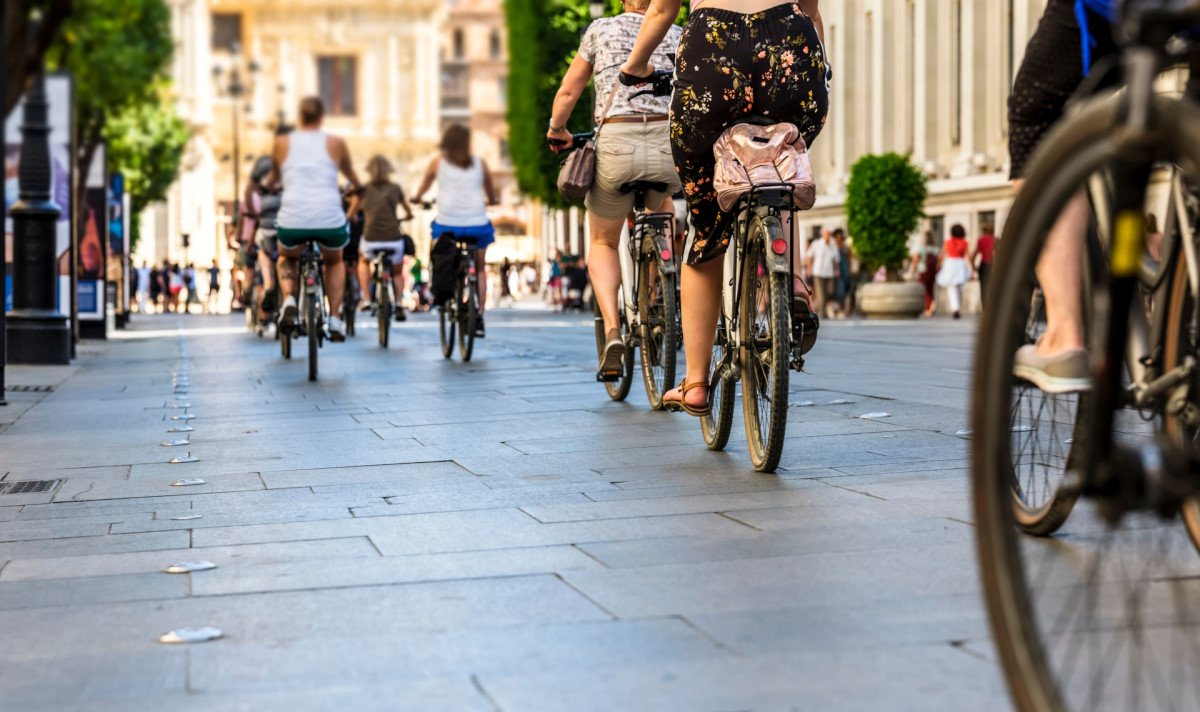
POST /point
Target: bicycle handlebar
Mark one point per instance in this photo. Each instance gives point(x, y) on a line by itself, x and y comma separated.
point(661, 81)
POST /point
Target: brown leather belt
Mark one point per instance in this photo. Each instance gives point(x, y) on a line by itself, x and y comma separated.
point(636, 118)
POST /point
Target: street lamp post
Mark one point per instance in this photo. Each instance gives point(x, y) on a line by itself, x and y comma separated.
point(38, 333)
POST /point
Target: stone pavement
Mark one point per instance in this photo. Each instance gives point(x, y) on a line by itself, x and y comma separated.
point(416, 534)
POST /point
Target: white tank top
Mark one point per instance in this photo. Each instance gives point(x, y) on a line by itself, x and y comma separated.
point(311, 198)
point(460, 198)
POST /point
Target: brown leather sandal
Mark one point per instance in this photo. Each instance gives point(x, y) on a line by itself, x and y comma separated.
point(682, 404)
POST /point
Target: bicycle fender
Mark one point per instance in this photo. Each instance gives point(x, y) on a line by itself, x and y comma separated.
point(779, 261)
point(665, 252)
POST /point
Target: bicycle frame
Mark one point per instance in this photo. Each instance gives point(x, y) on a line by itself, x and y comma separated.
point(311, 286)
point(630, 252)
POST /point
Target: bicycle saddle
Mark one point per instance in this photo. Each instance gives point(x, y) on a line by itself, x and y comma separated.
point(642, 186)
point(388, 251)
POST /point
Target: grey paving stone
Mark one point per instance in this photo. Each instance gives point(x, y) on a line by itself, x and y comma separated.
point(875, 680)
point(135, 680)
point(249, 515)
point(801, 494)
point(158, 485)
point(851, 578)
point(338, 573)
point(113, 543)
point(27, 531)
point(464, 501)
point(90, 591)
point(421, 475)
point(412, 695)
point(137, 562)
point(418, 654)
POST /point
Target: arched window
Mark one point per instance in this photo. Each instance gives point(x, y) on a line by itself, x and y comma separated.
point(495, 44)
point(459, 44)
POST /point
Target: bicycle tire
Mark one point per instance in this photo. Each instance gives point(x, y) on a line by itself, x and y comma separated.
point(467, 316)
point(617, 390)
point(657, 321)
point(1026, 597)
point(349, 308)
point(383, 312)
point(765, 362)
point(447, 321)
point(251, 310)
point(313, 329)
point(285, 344)
point(717, 425)
point(1175, 347)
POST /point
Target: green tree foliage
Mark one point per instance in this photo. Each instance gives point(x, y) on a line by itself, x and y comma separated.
point(543, 36)
point(884, 203)
point(117, 51)
point(145, 142)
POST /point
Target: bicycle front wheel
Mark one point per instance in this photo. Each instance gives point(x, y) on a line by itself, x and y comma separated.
point(658, 325)
point(766, 340)
point(1105, 617)
point(468, 314)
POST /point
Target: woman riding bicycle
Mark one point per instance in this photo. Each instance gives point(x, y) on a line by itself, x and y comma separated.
point(262, 203)
point(465, 190)
point(736, 58)
point(632, 145)
point(381, 201)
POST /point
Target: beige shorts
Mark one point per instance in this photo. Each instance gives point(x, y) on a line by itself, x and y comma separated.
point(628, 152)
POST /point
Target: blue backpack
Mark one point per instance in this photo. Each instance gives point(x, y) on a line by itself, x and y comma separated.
point(1107, 9)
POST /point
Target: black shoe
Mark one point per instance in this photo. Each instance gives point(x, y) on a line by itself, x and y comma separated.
point(957, 315)
point(480, 332)
point(401, 315)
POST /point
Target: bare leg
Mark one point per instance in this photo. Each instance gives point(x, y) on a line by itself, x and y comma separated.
point(604, 266)
point(1060, 274)
point(701, 305)
point(365, 288)
point(335, 279)
point(289, 271)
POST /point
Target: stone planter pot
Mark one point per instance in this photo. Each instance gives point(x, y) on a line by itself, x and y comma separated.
point(892, 300)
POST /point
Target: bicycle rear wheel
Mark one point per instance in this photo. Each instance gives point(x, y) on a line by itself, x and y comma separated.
point(314, 328)
point(285, 343)
point(658, 323)
point(717, 425)
point(349, 304)
point(766, 302)
point(468, 314)
point(617, 390)
point(383, 311)
point(1105, 618)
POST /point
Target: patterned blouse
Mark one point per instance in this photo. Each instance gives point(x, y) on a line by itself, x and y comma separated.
point(606, 45)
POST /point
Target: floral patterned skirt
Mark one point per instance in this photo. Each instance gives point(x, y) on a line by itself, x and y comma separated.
point(731, 65)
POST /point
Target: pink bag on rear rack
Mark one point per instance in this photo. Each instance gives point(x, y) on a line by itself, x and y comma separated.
point(749, 155)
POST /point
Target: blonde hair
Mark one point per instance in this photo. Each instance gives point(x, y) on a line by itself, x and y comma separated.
point(379, 169)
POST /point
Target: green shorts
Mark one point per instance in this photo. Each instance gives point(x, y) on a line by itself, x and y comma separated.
point(329, 238)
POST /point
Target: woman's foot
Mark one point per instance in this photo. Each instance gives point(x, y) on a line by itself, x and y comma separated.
point(690, 398)
point(613, 359)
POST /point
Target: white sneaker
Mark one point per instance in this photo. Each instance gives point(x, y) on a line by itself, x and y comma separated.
point(287, 315)
point(337, 329)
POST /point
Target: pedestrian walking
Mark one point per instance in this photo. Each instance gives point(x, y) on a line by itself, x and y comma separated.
point(214, 288)
point(174, 285)
point(193, 293)
point(844, 285)
point(143, 288)
point(925, 266)
point(555, 281)
point(506, 291)
point(982, 255)
point(954, 271)
point(824, 261)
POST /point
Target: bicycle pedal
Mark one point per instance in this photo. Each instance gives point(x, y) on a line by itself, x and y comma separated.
point(608, 377)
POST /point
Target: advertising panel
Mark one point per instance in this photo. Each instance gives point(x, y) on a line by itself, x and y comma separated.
point(58, 95)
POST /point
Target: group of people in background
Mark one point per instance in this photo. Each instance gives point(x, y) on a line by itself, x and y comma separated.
point(172, 288)
point(952, 265)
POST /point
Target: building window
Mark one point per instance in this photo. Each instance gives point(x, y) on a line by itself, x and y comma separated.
point(338, 84)
point(505, 156)
point(460, 48)
point(503, 82)
point(226, 31)
point(937, 225)
point(986, 219)
point(495, 44)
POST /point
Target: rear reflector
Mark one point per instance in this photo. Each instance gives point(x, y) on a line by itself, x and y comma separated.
point(665, 254)
point(779, 246)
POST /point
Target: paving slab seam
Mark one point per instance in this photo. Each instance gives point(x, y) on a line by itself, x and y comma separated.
point(735, 520)
point(603, 609)
point(487, 696)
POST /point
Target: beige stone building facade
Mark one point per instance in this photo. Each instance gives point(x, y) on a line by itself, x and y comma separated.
point(374, 62)
point(931, 79)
